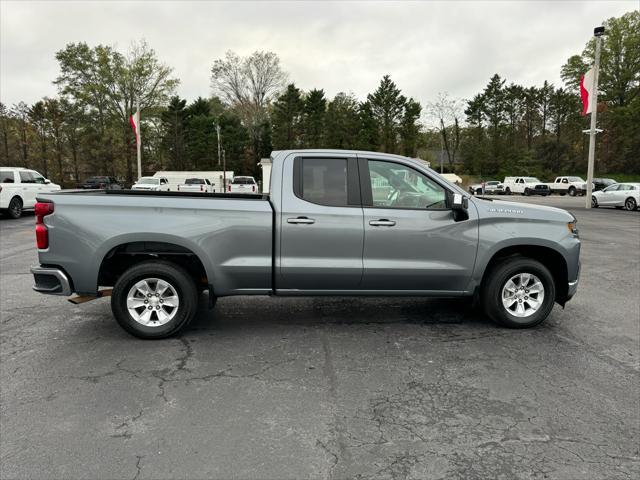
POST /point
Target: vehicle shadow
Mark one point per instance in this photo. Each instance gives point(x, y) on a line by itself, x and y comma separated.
point(241, 313)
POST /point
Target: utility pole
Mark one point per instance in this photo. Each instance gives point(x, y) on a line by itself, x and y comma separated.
point(598, 32)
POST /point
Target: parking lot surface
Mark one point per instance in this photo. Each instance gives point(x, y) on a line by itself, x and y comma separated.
point(388, 388)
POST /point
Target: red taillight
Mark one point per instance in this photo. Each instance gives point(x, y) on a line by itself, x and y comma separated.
point(229, 187)
point(42, 209)
point(178, 187)
point(253, 188)
point(201, 188)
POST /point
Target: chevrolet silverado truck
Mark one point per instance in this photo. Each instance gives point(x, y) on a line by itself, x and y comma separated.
point(335, 223)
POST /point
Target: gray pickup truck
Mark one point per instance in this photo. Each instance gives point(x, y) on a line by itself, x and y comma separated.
point(335, 223)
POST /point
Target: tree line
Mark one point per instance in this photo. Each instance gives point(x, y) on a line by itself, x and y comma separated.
point(253, 109)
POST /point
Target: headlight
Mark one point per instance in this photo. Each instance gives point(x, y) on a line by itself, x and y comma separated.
point(573, 227)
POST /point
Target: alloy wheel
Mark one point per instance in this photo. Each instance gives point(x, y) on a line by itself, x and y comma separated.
point(522, 295)
point(153, 302)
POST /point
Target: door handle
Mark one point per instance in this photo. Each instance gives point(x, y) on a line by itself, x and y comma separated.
point(383, 222)
point(303, 220)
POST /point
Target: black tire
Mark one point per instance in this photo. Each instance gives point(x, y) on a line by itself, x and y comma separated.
point(572, 191)
point(479, 191)
point(15, 208)
point(527, 192)
point(594, 202)
point(630, 204)
point(499, 275)
point(179, 279)
point(507, 191)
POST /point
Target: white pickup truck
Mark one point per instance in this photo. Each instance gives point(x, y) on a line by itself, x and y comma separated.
point(202, 185)
point(525, 186)
point(571, 185)
point(243, 185)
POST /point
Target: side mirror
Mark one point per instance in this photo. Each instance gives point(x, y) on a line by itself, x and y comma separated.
point(47, 181)
point(459, 202)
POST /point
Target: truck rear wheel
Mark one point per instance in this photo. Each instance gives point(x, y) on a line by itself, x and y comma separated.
point(519, 292)
point(154, 299)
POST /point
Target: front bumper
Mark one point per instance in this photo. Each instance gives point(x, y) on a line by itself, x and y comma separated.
point(51, 281)
point(573, 286)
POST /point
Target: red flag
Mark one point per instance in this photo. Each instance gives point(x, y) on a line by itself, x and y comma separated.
point(586, 85)
point(134, 120)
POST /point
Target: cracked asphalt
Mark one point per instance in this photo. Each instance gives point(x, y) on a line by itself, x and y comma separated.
point(327, 388)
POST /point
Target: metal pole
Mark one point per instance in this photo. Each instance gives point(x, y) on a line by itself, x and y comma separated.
point(218, 132)
point(224, 171)
point(593, 101)
point(139, 139)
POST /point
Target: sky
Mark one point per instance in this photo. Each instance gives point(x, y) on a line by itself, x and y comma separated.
point(426, 47)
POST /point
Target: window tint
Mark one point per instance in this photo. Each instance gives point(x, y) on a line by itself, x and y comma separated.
point(26, 177)
point(398, 186)
point(324, 181)
point(6, 176)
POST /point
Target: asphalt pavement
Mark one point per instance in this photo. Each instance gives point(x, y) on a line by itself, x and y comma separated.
point(389, 388)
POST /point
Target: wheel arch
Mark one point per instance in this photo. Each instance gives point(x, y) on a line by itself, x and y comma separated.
point(548, 256)
point(123, 255)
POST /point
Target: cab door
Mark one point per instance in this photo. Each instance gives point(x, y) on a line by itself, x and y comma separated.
point(412, 241)
point(320, 224)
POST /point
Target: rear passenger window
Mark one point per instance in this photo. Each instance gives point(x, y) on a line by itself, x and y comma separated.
point(322, 181)
point(6, 176)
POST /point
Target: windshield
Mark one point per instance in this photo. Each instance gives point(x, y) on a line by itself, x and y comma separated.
point(575, 179)
point(531, 180)
point(148, 181)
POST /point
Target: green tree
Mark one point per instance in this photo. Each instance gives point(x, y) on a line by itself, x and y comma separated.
point(409, 127)
point(112, 83)
point(342, 122)
point(174, 119)
point(287, 119)
point(387, 106)
point(315, 108)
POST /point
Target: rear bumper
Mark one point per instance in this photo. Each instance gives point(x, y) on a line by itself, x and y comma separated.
point(51, 281)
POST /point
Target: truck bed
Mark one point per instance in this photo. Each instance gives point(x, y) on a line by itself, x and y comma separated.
point(231, 233)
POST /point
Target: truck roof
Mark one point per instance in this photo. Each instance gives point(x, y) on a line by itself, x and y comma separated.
point(336, 151)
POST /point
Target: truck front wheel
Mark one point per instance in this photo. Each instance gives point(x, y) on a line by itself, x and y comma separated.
point(519, 292)
point(154, 299)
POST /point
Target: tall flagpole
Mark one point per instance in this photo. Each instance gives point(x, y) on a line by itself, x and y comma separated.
point(139, 138)
point(593, 103)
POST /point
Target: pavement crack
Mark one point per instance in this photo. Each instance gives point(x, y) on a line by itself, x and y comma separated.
point(138, 466)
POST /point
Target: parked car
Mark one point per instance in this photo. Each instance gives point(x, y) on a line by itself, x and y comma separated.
point(202, 185)
point(568, 185)
point(619, 195)
point(525, 186)
point(489, 187)
point(335, 223)
point(602, 183)
point(100, 182)
point(243, 185)
point(155, 184)
point(19, 188)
